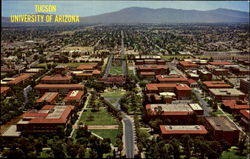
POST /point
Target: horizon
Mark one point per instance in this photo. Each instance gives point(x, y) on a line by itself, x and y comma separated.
point(92, 8)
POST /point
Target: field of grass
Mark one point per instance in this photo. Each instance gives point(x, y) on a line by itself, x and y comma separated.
point(107, 134)
point(231, 154)
point(65, 64)
point(101, 117)
point(116, 70)
point(113, 94)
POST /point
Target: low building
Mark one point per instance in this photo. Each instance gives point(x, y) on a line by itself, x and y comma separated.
point(184, 65)
point(86, 73)
point(171, 79)
point(222, 129)
point(56, 79)
point(176, 131)
point(21, 79)
point(61, 88)
point(147, 75)
point(245, 85)
point(74, 97)
point(220, 72)
point(180, 110)
point(226, 94)
point(233, 106)
point(34, 70)
point(157, 69)
point(61, 68)
point(87, 67)
point(182, 91)
point(46, 120)
point(245, 119)
point(240, 71)
point(220, 63)
point(216, 84)
point(5, 90)
point(205, 75)
point(48, 98)
point(112, 81)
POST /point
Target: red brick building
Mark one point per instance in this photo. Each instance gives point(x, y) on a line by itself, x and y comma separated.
point(157, 69)
point(74, 97)
point(187, 65)
point(21, 79)
point(56, 79)
point(5, 90)
point(182, 91)
point(226, 94)
point(171, 79)
point(220, 63)
point(176, 131)
point(45, 120)
point(222, 129)
point(216, 84)
point(245, 85)
point(48, 98)
point(245, 119)
point(220, 72)
point(232, 106)
point(205, 75)
point(61, 88)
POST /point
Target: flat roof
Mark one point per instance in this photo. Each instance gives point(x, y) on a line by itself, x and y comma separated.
point(56, 77)
point(73, 86)
point(21, 78)
point(74, 95)
point(164, 78)
point(216, 84)
point(183, 129)
point(195, 106)
point(48, 97)
point(11, 132)
point(48, 114)
point(226, 91)
point(221, 123)
point(156, 86)
point(171, 109)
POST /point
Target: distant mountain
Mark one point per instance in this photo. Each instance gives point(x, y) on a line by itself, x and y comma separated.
point(166, 15)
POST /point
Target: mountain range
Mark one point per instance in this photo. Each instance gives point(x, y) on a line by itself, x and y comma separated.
point(166, 15)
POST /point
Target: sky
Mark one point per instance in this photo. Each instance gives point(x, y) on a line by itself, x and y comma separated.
point(88, 8)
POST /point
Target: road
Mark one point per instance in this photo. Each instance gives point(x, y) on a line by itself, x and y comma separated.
point(129, 138)
point(109, 65)
point(124, 66)
point(203, 103)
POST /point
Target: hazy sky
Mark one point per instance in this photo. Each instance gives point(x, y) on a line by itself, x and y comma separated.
point(88, 8)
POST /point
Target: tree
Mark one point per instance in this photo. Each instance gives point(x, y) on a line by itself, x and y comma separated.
point(174, 147)
point(57, 149)
point(81, 152)
point(186, 143)
point(242, 144)
point(72, 149)
point(92, 154)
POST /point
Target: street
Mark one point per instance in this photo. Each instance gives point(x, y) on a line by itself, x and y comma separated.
point(129, 138)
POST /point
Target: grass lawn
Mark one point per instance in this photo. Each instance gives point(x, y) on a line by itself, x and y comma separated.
point(65, 64)
point(113, 94)
point(116, 70)
point(102, 117)
point(231, 154)
point(107, 134)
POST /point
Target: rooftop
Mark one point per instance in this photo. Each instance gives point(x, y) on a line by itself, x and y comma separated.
point(48, 114)
point(164, 78)
point(171, 109)
point(56, 77)
point(21, 78)
point(73, 86)
point(216, 84)
point(86, 66)
point(48, 97)
point(245, 113)
point(74, 95)
point(226, 91)
point(183, 129)
point(156, 86)
point(221, 123)
point(220, 63)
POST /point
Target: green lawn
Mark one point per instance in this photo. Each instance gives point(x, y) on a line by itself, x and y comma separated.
point(65, 64)
point(113, 94)
point(231, 154)
point(116, 70)
point(111, 133)
point(101, 117)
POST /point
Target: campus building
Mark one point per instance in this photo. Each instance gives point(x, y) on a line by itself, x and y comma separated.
point(176, 131)
point(48, 98)
point(74, 97)
point(21, 79)
point(171, 79)
point(222, 129)
point(56, 79)
point(245, 85)
point(226, 94)
point(46, 120)
point(61, 88)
